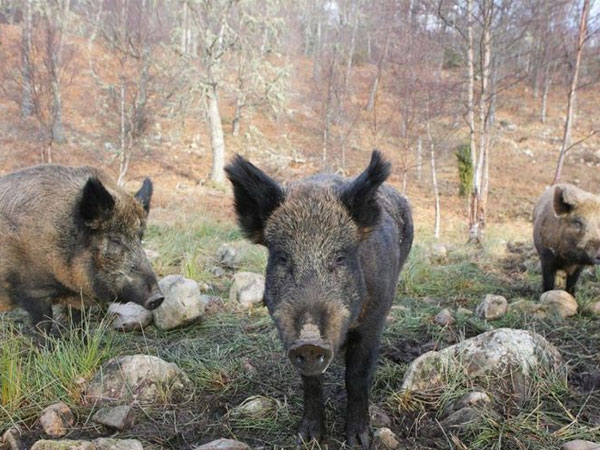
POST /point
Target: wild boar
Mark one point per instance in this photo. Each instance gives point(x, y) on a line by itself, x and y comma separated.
point(71, 232)
point(335, 251)
point(566, 233)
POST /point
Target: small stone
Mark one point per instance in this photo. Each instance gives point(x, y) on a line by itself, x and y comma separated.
point(444, 318)
point(129, 316)
point(439, 253)
point(229, 256)
point(117, 444)
point(559, 302)
point(492, 307)
point(256, 406)
point(11, 439)
point(474, 399)
point(63, 445)
point(580, 444)
point(462, 418)
point(524, 306)
point(118, 417)
point(217, 271)
point(141, 378)
point(247, 289)
point(593, 308)
point(224, 444)
point(379, 418)
point(464, 311)
point(385, 439)
point(183, 303)
point(152, 255)
point(56, 420)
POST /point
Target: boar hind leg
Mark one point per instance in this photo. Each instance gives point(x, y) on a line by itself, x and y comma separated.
point(312, 426)
point(361, 354)
point(572, 279)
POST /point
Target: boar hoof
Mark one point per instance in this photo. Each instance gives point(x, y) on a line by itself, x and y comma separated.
point(310, 430)
point(358, 435)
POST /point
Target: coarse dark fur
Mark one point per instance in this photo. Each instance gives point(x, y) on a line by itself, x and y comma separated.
point(566, 233)
point(336, 248)
point(70, 233)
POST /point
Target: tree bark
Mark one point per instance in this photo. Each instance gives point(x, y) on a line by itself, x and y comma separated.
point(434, 184)
point(547, 83)
point(375, 84)
point(350, 56)
point(216, 135)
point(27, 93)
point(474, 196)
point(572, 92)
point(419, 158)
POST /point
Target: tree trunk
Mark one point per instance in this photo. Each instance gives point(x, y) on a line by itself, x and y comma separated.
point(317, 52)
point(547, 83)
point(27, 94)
point(572, 92)
point(354, 19)
point(375, 84)
point(217, 140)
point(419, 158)
point(124, 152)
point(474, 195)
point(235, 124)
point(434, 185)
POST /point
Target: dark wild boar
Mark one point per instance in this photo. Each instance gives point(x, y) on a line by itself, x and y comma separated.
point(72, 233)
point(336, 247)
point(566, 233)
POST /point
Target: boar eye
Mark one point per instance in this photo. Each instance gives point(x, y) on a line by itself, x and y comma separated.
point(281, 259)
point(338, 261)
point(578, 224)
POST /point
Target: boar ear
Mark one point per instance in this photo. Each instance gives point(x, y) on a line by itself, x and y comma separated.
point(256, 196)
point(360, 196)
point(96, 203)
point(145, 194)
point(565, 200)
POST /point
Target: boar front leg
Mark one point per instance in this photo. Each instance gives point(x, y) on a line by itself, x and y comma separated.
point(361, 354)
point(572, 277)
point(40, 312)
point(312, 425)
point(548, 260)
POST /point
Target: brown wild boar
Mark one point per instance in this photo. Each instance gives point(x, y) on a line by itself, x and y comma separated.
point(336, 248)
point(566, 232)
point(72, 233)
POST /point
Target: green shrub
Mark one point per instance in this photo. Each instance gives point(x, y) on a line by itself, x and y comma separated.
point(465, 169)
point(452, 59)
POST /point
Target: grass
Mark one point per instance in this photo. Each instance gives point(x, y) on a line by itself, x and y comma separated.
point(231, 355)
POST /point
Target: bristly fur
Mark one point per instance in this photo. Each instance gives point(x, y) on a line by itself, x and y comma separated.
point(144, 195)
point(96, 202)
point(256, 197)
point(360, 195)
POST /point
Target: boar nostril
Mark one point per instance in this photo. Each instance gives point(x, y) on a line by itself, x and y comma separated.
point(154, 303)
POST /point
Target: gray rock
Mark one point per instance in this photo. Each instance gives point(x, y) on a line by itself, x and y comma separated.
point(63, 445)
point(444, 318)
point(230, 255)
point(438, 253)
point(224, 444)
point(471, 400)
point(492, 307)
point(525, 306)
point(593, 308)
point(56, 420)
point(137, 378)
point(183, 303)
point(256, 406)
point(118, 417)
point(247, 289)
point(496, 353)
point(129, 316)
point(379, 418)
point(117, 444)
point(11, 439)
point(217, 271)
point(559, 302)
point(580, 444)
point(385, 439)
point(463, 418)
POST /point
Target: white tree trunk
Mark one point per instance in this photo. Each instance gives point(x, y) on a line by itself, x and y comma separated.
point(547, 83)
point(474, 196)
point(217, 139)
point(124, 151)
point(572, 91)
point(419, 158)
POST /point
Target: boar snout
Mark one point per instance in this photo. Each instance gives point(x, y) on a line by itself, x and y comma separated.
point(154, 301)
point(310, 357)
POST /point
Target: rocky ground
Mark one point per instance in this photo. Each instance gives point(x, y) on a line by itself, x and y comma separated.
point(472, 357)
